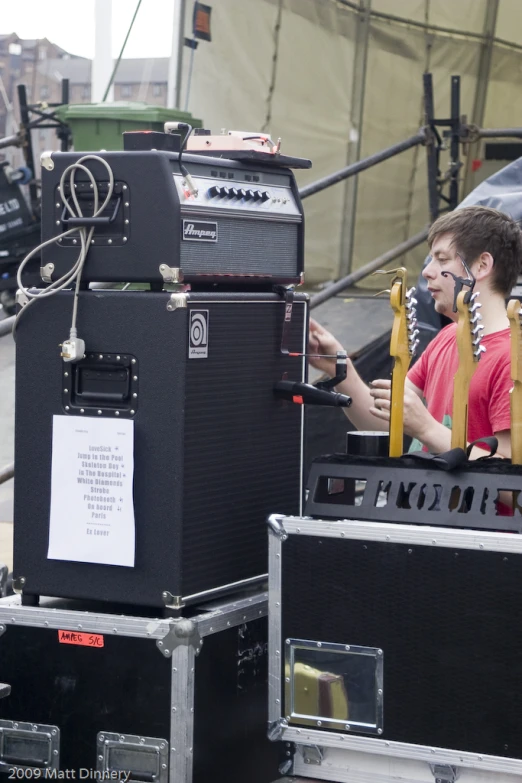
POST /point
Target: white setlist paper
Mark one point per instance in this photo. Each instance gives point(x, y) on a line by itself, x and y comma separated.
point(92, 510)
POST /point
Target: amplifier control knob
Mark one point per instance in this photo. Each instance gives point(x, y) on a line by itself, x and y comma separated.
point(214, 191)
point(232, 192)
point(265, 195)
point(241, 193)
point(257, 195)
point(250, 195)
point(225, 192)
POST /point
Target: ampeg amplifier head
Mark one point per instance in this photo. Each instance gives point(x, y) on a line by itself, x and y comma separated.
point(233, 222)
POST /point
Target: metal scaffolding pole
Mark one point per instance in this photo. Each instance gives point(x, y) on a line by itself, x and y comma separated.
point(6, 473)
point(360, 60)
point(368, 268)
point(362, 165)
point(6, 326)
point(499, 133)
point(481, 89)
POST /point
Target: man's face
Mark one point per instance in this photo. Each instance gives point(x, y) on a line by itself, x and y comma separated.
point(444, 258)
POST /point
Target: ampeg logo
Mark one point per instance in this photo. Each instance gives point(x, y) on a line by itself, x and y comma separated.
point(200, 231)
point(198, 334)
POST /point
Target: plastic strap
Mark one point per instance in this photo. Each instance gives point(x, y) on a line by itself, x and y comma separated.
point(456, 458)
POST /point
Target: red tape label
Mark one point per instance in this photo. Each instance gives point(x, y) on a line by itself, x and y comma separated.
point(82, 639)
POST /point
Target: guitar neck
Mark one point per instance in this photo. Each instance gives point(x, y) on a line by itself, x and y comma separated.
point(459, 423)
point(468, 363)
point(401, 348)
point(516, 423)
point(400, 369)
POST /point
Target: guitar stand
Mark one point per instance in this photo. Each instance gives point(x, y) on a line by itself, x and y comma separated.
point(402, 490)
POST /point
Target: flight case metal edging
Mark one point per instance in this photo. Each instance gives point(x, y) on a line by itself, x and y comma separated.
point(280, 527)
point(213, 619)
point(13, 613)
point(422, 535)
point(342, 769)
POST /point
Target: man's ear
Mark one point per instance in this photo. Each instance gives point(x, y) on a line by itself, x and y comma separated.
point(483, 266)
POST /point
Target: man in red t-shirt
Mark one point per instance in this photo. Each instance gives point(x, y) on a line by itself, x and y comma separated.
point(490, 242)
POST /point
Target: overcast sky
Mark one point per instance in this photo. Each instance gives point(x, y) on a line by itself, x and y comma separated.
point(70, 24)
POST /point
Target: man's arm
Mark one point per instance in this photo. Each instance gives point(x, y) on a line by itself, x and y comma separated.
point(420, 424)
point(322, 342)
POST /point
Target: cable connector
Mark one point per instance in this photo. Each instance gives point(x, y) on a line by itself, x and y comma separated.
point(189, 188)
point(73, 349)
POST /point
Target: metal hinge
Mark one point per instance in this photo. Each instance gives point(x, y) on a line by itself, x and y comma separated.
point(312, 754)
point(444, 773)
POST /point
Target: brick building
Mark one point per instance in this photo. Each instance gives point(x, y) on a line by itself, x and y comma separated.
point(41, 66)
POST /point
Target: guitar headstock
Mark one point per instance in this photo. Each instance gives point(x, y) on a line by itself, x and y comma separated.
point(411, 318)
point(514, 313)
point(404, 333)
point(402, 347)
point(469, 328)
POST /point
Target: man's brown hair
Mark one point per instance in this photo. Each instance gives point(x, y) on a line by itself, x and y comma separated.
point(477, 230)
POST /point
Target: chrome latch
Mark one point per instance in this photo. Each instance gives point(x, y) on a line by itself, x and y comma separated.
point(171, 274)
point(46, 273)
point(176, 301)
point(444, 773)
point(19, 584)
point(312, 754)
point(21, 298)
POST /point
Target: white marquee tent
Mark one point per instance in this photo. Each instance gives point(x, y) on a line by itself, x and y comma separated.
point(339, 80)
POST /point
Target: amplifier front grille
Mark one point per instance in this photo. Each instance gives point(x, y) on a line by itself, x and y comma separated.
point(245, 247)
point(242, 451)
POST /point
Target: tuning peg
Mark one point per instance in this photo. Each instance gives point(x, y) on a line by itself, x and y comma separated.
point(476, 318)
point(475, 307)
point(412, 323)
point(413, 334)
point(409, 295)
point(477, 329)
point(413, 347)
point(480, 349)
point(474, 296)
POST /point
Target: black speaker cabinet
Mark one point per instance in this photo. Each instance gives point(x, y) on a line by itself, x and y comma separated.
point(214, 451)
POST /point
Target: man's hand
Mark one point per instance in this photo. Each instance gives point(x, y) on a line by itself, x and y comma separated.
point(321, 341)
point(417, 420)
